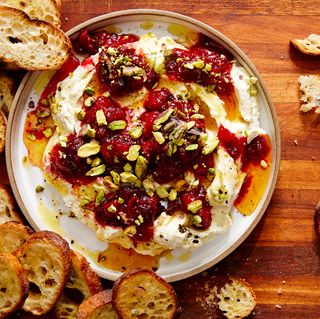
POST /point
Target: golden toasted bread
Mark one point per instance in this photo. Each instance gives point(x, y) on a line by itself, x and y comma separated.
point(13, 235)
point(140, 293)
point(37, 9)
point(310, 88)
point(13, 284)
point(82, 283)
point(3, 131)
point(7, 91)
point(46, 258)
point(236, 299)
point(309, 45)
point(98, 306)
point(7, 206)
point(32, 45)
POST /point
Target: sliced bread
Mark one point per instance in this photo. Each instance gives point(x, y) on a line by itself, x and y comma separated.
point(46, 258)
point(141, 293)
point(7, 206)
point(32, 45)
point(236, 299)
point(3, 131)
point(37, 9)
point(98, 306)
point(13, 284)
point(310, 88)
point(7, 91)
point(82, 283)
point(13, 235)
point(309, 45)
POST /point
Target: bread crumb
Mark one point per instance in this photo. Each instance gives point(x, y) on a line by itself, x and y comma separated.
point(295, 142)
point(281, 58)
point(283, 282)
point(278, 306)
point(66, 19)
point(280, 291)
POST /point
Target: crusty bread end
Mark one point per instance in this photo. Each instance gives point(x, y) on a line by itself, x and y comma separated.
point(3, 131)
point(7, 91)
point(310, 88)
point(309, 45)
point(32, 45)
point(7, 206)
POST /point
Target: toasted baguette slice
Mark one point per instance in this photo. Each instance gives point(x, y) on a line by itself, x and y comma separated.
point(46, 257)
point(7, 206)
point(309, 45)
point(3, 131)
point(236, 299)
point(13, 235)
point(98, 306)
point(7, 91)
point(82, 283)
point(310, 87)
point(32, 45)
point(37, 9)
point(140, 293)
point(13, 284)
point(21, 314)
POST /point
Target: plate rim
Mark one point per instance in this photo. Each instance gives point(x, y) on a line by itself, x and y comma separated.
point(276, 149)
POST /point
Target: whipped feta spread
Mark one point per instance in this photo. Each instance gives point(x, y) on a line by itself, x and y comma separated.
point(170, 230)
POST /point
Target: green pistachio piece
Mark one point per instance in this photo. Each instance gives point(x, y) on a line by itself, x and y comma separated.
point(136, 132)
point(192, 147)
point(199, 64)
point(39, 189)
point(172, 195)
point(132, 71)
point(141, 166)
point(197, 117)
point(115, 177)
point(127, 167)
point(89, 160)
point(117, 125)
point(88, 149)
point(54, 107)
point(43, 113)
point(169, 126)
point(253, 90)
point(158, 137)
point(149, 187)
point(195, 206)
point(196, 220)
point(89, 91)
point(172, 148)
point(162, 119)
point(101, 118)
point(106, 94)
point(210, 146)
point(48, 132)
point(130, 230)
point(127, 177)
point(189, 66)
point(162, 192)
point(212, 171)
point(95, 171)
point(120, 200)
point(84, 202)
point(190, 125)
point(63, 141)
point(112, 209)
point(133, 153)
point(31, 137)
point(208, 67)
point(99, 197)
point(96, 162)
point(80, 113)
point(91, 132)
point(89, 101)
point(107, 180)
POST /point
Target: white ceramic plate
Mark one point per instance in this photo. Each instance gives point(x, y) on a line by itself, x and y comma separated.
point(41, 209)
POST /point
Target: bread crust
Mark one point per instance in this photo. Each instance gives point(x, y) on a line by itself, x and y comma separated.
point(7, 206)
point(11, 267)
point(13, 235)
point(46, 256)
point(3, 131)
point(45, 33)
point(7, 91)
point(143, 290)
point(100, 302)
point(309, 45)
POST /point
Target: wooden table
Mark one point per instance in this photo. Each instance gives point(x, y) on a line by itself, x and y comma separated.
point(281, 258)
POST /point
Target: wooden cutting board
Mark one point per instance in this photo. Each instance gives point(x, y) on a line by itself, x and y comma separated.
point(281, 258)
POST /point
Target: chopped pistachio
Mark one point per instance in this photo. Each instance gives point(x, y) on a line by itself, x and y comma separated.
point(112, 209)
point(178, 132)
point(88, 149)
point(44, 102)
point(99, 197)
point(84, 202)
point(95, 171)
point(196, 220)
point(54, 108)
point(136, 132)
point(208, 67)
point(162, 119)
point(117, 125)
point(210, 146)
point(109, 183)
point(203, 138)
point(172, 148)
point(180, 185)
point(43, 113)
point(172, 195)
point(133, 153)
point(112, 51)
point(195, 206)
point(101, 118)
point(140, 218)
point(89, 101)
point(130, 230)
point(115, 177)
point(127, 177)
point(264, 164)
point(120, 200)
point(89, 160)
point(162, 192)
point(80, 113)
point(199, 64)
point(63, 141)
point(48, 132)
point(192, 147)
point(197, 116)
point(141, 166)
point(31, 137)
point(189, 66)
point(211, 170)
point(39, 189)
point(116, 160)
point(148, 185)
point(169, 126)
point(96, 162)
point(158, 137)
point(106, 94)
point(190, 125)
point(132, 71)
point(89, 90)
point(127, 167)
point(91, 132)
point(253, 90)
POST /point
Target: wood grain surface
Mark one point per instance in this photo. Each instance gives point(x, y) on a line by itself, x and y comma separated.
point(281, 258)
